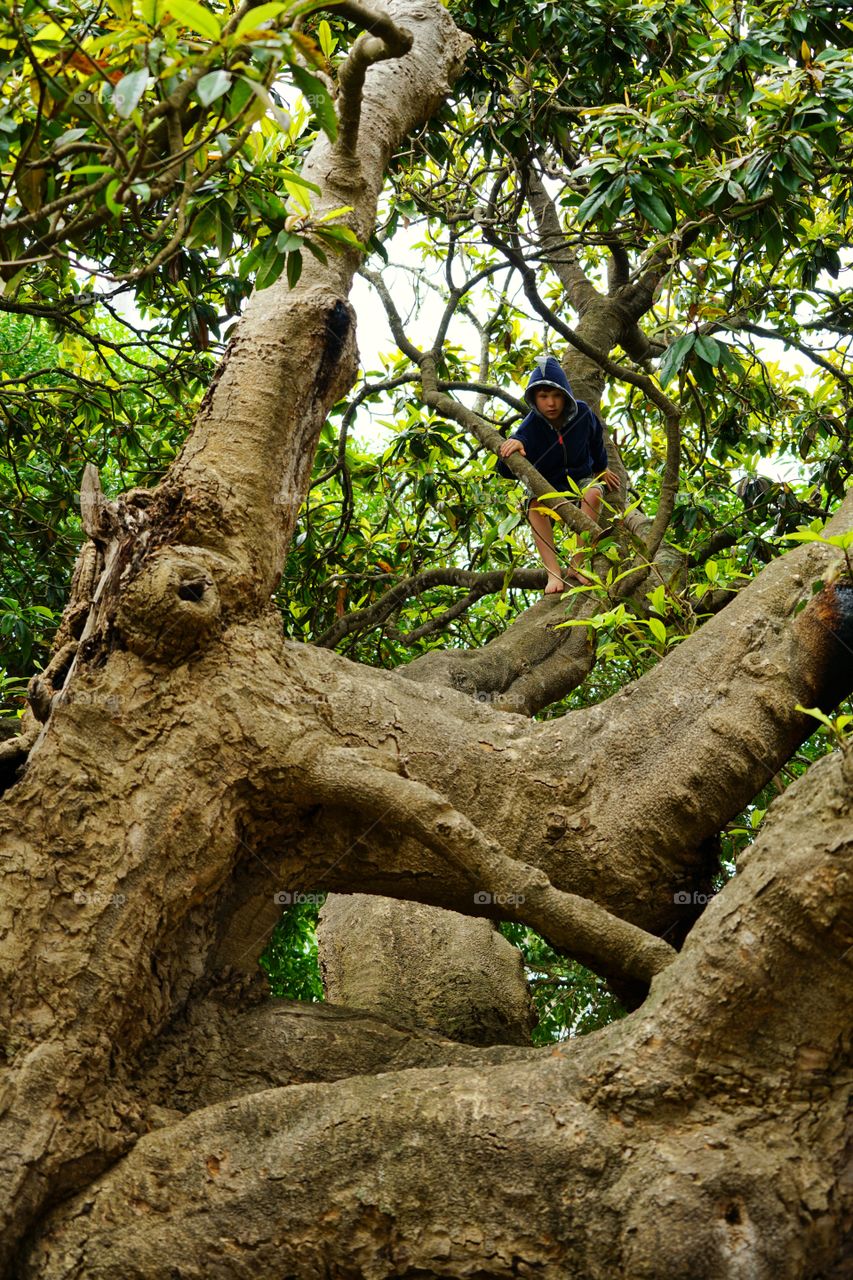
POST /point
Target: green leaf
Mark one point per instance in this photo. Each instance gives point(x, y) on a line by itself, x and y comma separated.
point(198, 19)
point(317, 252)
point(212, 86)
point(674, 357)
point(653, 210)
point(707, 349)
point(591, 205)
point(129, 90)
point(114, 206)
point(816, 713)
point(657, 598)
point(317, 96)
point(335, 213)
point(294, 267)
point(508, 524)
point(254, 20)
point(657, 629)
point(802, 535)
point(341, 234)
point(324, 35)
point(152, 11)
point(271, 269)
point(292, 179)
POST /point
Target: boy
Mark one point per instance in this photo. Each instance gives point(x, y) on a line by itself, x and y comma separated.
point(563, 439)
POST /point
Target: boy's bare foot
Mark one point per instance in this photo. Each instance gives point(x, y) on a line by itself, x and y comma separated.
point(576, 574)
point(554, 585)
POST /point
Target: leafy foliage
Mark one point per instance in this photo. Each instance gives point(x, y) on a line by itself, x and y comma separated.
point(568, 999)
point(290, 957)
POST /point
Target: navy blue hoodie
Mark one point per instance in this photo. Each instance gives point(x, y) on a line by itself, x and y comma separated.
point(575, 450)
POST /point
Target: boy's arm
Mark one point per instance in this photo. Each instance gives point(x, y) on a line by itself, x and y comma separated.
point(520, 436)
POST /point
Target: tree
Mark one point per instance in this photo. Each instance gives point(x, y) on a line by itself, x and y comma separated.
point(181, 760)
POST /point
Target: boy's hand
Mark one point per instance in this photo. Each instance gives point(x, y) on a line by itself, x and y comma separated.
point(511, 446)
point(610, 478)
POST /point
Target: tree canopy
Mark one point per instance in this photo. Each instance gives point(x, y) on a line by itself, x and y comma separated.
point(694, 153)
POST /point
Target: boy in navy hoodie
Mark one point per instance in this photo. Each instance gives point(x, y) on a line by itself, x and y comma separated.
point(564, 440)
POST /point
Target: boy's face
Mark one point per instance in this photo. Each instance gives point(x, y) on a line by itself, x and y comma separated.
point(550, 402)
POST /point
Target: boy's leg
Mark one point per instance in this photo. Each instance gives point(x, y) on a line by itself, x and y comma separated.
point(543, 536)
point(590, 506)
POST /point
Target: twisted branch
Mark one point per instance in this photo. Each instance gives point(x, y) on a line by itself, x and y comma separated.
point(381, 38)
point(611, 946)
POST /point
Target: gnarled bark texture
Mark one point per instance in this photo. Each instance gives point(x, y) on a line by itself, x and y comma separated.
point(701, 1138)
point(415, 965)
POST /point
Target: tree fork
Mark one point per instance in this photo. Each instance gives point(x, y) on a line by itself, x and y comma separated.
point(677, 1143)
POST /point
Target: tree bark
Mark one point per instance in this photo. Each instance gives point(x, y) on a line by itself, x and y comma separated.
point(702, 1138)
point(195, 764)
point(132, 812)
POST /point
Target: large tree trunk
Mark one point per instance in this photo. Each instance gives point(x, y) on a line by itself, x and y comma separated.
point(702, 1138)
point(197, 764)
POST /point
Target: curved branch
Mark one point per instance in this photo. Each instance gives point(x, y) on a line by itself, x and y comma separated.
point(579, 926)
point(381, 39)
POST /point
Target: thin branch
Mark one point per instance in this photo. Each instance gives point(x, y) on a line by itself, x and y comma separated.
point(485, 583)
point(761, 332)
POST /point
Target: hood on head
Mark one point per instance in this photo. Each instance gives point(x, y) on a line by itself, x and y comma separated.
point(549, 373)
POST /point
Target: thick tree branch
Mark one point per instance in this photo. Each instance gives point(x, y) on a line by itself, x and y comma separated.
point(577, 925)
point(251, 449)
point(652, 1144)
point(580, 291)
point(385, 40)
point(224, 1047)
